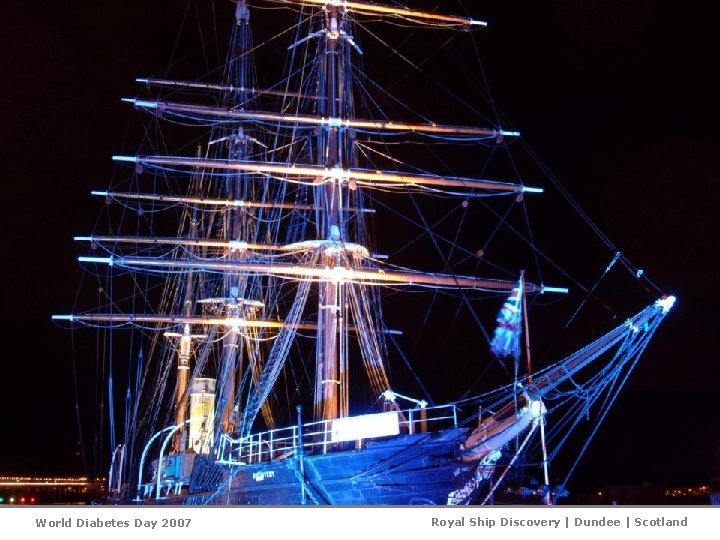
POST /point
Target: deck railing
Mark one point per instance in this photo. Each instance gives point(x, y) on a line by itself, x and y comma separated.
point(317, 437)
point(276, 444)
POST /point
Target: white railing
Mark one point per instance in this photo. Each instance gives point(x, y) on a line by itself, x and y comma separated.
point(317, 437)
point(282, 443)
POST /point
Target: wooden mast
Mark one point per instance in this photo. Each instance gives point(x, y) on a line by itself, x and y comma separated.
point(329, 195)
point(184, 351)
point(234, 285)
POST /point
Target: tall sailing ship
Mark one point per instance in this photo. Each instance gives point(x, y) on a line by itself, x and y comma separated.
point(280, 240)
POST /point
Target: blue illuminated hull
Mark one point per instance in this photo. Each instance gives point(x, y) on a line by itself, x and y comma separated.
point(404, 470)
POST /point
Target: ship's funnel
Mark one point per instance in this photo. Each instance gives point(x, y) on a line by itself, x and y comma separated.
point(202, 406)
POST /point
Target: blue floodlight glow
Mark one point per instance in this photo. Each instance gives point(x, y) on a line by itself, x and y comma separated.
point(99, 260)
point(546, 289)
point(141, 103)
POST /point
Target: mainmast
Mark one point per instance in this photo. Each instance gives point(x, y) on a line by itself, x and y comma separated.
point(330, 396)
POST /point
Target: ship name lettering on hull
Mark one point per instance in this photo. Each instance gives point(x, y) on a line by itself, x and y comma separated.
point(262, 475)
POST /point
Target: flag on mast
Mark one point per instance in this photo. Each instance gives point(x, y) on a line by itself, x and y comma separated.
point(506, 341)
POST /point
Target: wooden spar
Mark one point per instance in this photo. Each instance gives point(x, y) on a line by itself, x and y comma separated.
point(208, 201)
point(362, 7)
point(308, 245)
point(527, 326)
point(221, 88)
point(176, 241)
point(507, 422)
point(361, 176)
point(174, 320)
point(541, 420)
point(181, 319)
point(340, 274)
point(549, 380)
point(291, 120)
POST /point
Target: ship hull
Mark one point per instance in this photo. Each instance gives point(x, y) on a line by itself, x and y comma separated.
point(420, 469)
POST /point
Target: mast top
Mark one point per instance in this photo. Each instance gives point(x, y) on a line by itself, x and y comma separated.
point(397, 11)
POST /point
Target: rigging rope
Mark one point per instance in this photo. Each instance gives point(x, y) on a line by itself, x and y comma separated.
point(276, 359)
point(637, 348)
point(512, 462)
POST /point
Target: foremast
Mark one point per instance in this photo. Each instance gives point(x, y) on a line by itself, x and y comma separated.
point(236, 223)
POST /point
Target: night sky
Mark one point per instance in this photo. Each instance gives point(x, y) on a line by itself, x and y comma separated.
point(619, 97)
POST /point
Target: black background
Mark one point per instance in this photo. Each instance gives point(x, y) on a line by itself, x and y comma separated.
point(618, 96)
